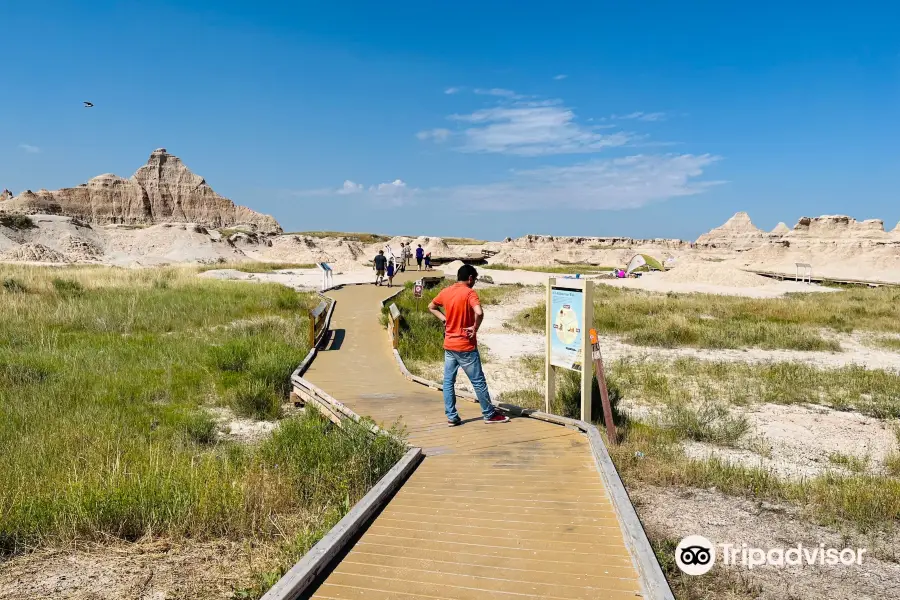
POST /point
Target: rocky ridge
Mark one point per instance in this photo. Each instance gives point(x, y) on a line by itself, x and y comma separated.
point(162, 191)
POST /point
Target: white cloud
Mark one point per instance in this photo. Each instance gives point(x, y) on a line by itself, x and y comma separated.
point(642, 116)
point(560, 77)
point(533, 129)
point(350, 188)
point(497, 92)
point(438, 135)
point(452, 90)
point(607, 184)
point(600, 184)
point(29, 148)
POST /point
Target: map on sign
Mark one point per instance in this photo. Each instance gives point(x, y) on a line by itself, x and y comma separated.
point(567, 338)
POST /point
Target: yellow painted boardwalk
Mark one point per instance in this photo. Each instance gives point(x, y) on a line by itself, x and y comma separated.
point(511, 511)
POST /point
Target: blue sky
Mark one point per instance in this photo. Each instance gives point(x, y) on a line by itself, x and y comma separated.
point(487, 119)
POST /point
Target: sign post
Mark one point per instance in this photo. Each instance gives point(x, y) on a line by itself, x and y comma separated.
point(327, 275)
point(570, 312)
point(601, 383)
point(417, 291)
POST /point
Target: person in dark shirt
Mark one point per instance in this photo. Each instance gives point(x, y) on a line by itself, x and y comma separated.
point(420, 254)
point(380, 264)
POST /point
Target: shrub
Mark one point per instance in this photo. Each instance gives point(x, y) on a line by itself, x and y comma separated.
point(67, 287)
point(254, 399)
point(17, 222)
point(13, 286)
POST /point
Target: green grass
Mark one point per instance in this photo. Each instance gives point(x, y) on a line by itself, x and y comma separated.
point(17, 222)
point(421, 333)
point(872, 392)
point(854, 464)
point(105, 380)
point(256, 267)
point(365, 238)
point(889, 343)
point(709, 321)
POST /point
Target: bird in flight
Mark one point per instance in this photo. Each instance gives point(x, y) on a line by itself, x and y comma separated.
point(88, 104)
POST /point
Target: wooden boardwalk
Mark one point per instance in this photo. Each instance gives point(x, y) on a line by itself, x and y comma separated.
point(511, 511)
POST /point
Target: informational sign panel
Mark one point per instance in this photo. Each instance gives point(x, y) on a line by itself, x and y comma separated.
point(567, 338)
point(570, 312)
point(325, 266)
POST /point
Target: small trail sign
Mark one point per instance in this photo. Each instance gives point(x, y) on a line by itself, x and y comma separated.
point(417, 290)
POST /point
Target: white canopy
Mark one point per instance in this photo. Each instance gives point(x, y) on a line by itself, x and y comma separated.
point(636, 261)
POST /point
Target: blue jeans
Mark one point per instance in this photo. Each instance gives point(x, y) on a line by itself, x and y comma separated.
point(471, 364)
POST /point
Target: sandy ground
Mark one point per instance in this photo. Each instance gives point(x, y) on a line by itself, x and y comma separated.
point(679, 512)
point(154, 570)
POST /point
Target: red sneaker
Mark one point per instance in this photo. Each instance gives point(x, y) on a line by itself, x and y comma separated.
point(497, 418)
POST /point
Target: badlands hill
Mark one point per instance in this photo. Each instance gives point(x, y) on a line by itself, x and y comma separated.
point(162, 191)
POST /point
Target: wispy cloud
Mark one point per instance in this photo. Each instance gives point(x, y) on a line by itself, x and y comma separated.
point(642, 116)
point(560, 77)
point(525, 126)
point(601, 184)
point(497, 92)
point(438, 135)
point(394, 193)
point(532, 129)
point(28, 148)
point(452, 90)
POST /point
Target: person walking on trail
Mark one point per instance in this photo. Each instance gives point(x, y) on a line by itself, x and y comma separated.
point(391, 268)
point(462, 317)
point(404, 257)
point(407, 253)
point(420, 254)
point(380, 264)
point(428, 261)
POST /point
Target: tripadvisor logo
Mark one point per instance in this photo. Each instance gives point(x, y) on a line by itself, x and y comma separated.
point(696, 555)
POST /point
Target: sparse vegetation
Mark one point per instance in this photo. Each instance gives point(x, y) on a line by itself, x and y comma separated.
point(869, 391)
point(365, 238)
point(17, 222)
point(889, 343)
point(13, 286)
point(854, 464)
point(709, 321)
point(104, 419)
point(256, 267)
point(462, 241)
point(563, 269)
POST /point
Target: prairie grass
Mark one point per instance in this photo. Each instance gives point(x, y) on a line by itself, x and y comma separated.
point(104, 380)
point(710, 321)
point(888, 343)
point(365, 238)
point(256, 267)
point(869, 391)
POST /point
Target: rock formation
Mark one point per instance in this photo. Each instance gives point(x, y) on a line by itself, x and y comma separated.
point(738, 230)
point(164, 190)
point(838, 226)
point(781, 229)
point(5, 195)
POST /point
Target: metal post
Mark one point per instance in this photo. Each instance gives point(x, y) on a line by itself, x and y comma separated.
point(549, 372)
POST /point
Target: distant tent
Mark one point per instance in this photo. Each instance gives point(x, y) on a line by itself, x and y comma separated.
point(643, 260)
point(636, 261)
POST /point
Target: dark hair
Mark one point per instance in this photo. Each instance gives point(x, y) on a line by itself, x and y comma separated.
point(465, 272)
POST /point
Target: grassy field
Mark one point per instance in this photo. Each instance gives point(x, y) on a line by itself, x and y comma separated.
point(105, 378)
point(421, 334)
point(462, 241)
point(708, 321)
point(365, 238)
point(251, 266)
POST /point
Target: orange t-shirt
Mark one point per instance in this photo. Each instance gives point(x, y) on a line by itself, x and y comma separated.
point(458, 301)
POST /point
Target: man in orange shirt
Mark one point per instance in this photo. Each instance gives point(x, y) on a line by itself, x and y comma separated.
point(462, 317)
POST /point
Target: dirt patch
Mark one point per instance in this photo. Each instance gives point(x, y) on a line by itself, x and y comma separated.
point(678, 512)
point(149, 570)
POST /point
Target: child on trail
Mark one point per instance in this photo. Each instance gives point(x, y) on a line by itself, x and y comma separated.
point(462, 317)
point(390, 272)
point(380, 264)
point(428, 261)
point(420, 254)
